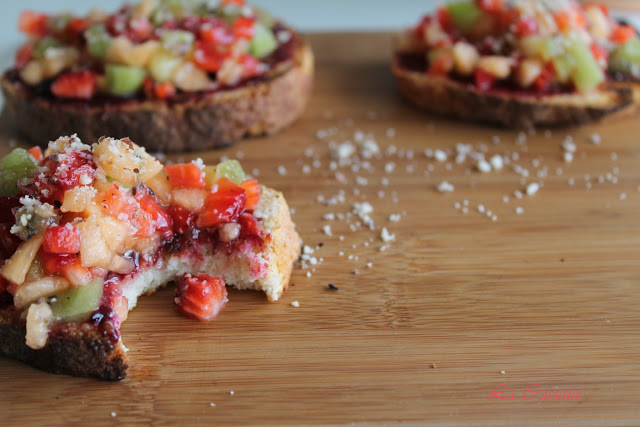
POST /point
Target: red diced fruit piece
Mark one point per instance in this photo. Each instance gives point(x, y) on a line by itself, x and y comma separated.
point(159, 219)
point(236, 2)
point(141, 28)
point(250, 65)
point(76, 274)
point(183, 220)
point(208, 58)
point(544, 80)
point(622, 34)
point(444, 19)
point(600, 54)
point(252, 188)
point(54, 263)
point(526, 26)
point(33, 23)
point(185, 175)
point(248, 226)
point(222, 206)
point(165, 90)
point(484, 80)
point(491, 6)
point(24, 55)
point(61, 239)
point(563, 20)
point(75, 84)
point(442, 64)
point(77, 25)
point(36, 152)
point(244, 28)
point(214, 32)
point(200, 297)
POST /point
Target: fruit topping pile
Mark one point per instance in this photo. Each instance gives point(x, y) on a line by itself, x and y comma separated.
point(77, 219)
point(540, 46)
point(156, 47)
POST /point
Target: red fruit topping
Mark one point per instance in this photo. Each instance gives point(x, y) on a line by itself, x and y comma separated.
point(445, 21)
point(214, 32)
point(77, 26)
point(244, 28)
point(622, 34)
point(526, 26)
point(491, 6)
point(225, 205)
point(141, 27)
point(442, 64)
point(250, 65)
point(24, 55)
point(54, 263)
point(544, 80)
point(33, 23)
point(165, 90)
point(61, 239)
point(183, 220)
point(252, 188)
point(76, 274)
point(236, 2)
point(160, 220)
point(185, 175)
point(75, 84)
point(484, 81)
point(200, 297)
point(62, 172)
point(248, 226)
point(36, 152)
point(208, 57)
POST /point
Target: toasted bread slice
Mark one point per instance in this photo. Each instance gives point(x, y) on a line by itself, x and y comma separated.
point(83, 349)
point(443, 95)
point(203, 121)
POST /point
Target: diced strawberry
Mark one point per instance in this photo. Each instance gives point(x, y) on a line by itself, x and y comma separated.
point(36, 152)
point(208, 58)
point(445, 20)
point(160, 220)
point(141, 27)
point(54, 263)
point(183, 220)
point(117, 23)
point(75, 84)
point(491, 6)
point(563, 20)
point(112, 297)
point(185, 175)
point(77, 26)
point(249, 226)
point(250, 65)
point(545, 79)
point(164, 90)
point(24, 55)
point(424, 22)
point(252, 188)
point(506, 18)
point(235, 2)
point(244, 28)
point(442, 64)
point(600, 54)
point(484, 81)
point(61, 239)
point(215, 32)
point(115, 202)
point(622, 34)
point(200, 297)
point(33, 23)
point(76, 274)
point(222, 206)
point(527, 26)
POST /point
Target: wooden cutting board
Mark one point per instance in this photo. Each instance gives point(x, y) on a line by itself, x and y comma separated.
point(461, 319)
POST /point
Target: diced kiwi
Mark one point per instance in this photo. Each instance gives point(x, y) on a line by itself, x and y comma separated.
point(263, 42)
point(563, 65)
point(77, 303)
point(541, 47)
point(43, 44)
point(464, 14)
point(177, 42)
point(230, 169)
point(162, 66)
point(98, 41)
point(626, 58)
point(14, 166)
point(586, 74)
point(124, 79)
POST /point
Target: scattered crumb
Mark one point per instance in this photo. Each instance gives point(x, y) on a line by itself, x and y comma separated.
point(232, 393)
point(445, 187)
point(293, 303)
point(503, 372)
point(212, 404)
point(532, 188)
point(113, 414)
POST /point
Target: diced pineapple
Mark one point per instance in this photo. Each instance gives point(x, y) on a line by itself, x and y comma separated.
point(145, 8)
point(150, 165)
point(147, 245)
point(33, 73)
point(117, 159)
point(160, 186)
point(15, 268)
point(94, 251)
point(32, 291)
point(123, 51)
point(78, 199)
point(465, 57)
point(189, 78)
point(114, 232)
point(192, 199)
point(59, 59)
point(498, 66)
point(35, 271)
point(122, 265)
point(599, 25)
point(39, 317)
point(528, 71)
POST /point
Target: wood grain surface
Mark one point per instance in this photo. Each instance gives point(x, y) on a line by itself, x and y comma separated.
point(456, 307)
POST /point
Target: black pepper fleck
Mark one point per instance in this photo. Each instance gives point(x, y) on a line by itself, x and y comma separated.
point(333, 287)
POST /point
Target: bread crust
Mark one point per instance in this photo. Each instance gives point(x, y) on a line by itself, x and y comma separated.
point(213, 120)
point(80, 349)
point(448, 97)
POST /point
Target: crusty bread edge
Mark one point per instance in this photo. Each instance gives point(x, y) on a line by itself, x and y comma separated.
point(83, 351)
point(211, 121)
point(447, 97)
